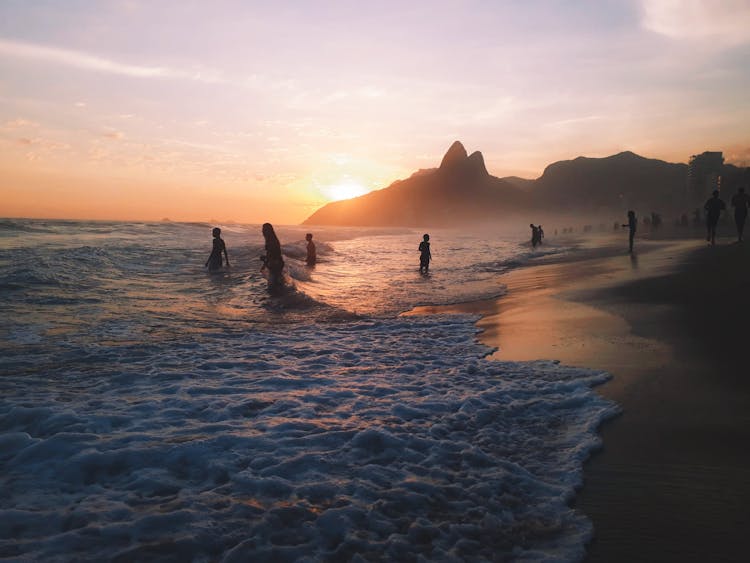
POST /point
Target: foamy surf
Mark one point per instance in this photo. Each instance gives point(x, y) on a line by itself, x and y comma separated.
point(373, 438)
point(152, 411)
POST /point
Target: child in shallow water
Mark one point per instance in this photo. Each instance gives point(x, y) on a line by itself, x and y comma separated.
point(312, 256)
point(214, 261)
point(425, 256)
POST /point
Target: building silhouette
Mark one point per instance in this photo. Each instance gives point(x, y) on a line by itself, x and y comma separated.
point(704, 176)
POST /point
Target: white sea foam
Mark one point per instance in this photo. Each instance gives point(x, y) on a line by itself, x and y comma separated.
point(150, 411)
point(371, 439)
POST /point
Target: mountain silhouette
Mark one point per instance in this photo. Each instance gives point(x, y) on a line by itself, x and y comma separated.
point(459, 191)
point(456, 156)
point(617, 182)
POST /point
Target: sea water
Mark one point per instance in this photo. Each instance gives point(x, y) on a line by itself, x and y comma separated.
point(153, 411)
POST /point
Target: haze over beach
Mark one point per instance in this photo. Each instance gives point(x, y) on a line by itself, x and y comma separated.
point(275, 285)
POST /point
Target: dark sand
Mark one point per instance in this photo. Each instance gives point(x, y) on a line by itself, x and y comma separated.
point(671, 325)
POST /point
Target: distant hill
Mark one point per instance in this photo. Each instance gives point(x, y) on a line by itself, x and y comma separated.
point(521, 183)
point(461, 191)
point(458, 192)
point(615, 182)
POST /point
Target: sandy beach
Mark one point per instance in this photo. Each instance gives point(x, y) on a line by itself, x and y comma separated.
point(670, 324)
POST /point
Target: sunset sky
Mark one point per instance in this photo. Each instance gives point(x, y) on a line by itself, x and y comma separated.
point(255, 111)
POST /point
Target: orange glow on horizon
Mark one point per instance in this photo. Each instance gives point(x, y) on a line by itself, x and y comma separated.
point(344, 190)
point(188, 127)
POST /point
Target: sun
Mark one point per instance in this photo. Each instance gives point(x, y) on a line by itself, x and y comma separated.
point(344, 190)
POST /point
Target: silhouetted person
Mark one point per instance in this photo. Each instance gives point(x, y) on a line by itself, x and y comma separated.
point(424, 254)
point(713, 207)
point(632, 224)
point(740, 202)
point(541, 233)
point(273, 261)
point(312, 256)
point(214, 261)
point(534, 235)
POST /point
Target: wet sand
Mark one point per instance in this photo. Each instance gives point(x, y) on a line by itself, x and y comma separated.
point(672, 325)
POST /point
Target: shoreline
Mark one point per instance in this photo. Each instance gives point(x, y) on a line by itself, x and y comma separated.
point(669, 483)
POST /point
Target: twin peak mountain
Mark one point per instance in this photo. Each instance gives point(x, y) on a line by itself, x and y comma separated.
point(456, 161)
point(461, 192)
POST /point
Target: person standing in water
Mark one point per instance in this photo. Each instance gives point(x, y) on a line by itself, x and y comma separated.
point(631, 224)
point(425, 256)
point(714, 206)
point(273, 261)
point(214, 261)
point(740, 202)
point(312, 256)
point(534, 235)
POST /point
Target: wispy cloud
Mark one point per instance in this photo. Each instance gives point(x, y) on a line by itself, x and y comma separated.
point(113, 134)
point(39, 143)
point(722, 21)
point(18, 123)
point(86, 61)
point(574, 121)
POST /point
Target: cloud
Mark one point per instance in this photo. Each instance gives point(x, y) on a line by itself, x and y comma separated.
point(111, 134)
point(18, 123)
point(86, 61)
point(574, 121)
point(41, 143)
point(722, 21)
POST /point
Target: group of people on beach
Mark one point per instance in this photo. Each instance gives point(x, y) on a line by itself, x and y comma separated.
point(713, 209)
point(714, 206)
point(537, 234)
point(272, 260)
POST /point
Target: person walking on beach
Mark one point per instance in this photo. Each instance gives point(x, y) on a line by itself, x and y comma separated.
point(214, 261)
point(272, 261)
point(740, 202)
point(424, 254)
point(312, 256)
point(541, 233)
point(714, 206)
point(631, 224)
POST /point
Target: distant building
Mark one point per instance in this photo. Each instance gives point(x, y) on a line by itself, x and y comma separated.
point(704, 176)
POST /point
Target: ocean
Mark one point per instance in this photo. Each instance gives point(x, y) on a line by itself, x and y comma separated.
point(153, 411)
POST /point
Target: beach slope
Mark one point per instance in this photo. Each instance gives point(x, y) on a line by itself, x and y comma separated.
point(670, 324)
